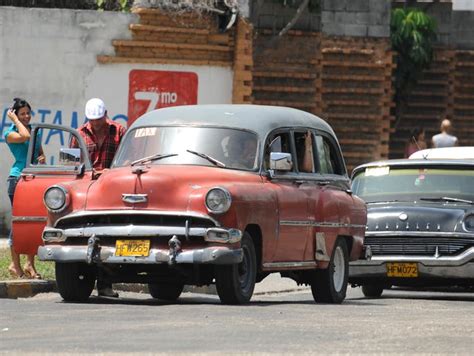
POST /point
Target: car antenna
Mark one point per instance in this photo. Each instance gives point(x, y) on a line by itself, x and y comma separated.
point(425, 156)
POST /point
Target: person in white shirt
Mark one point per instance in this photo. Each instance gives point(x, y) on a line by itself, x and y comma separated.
point(444, 139)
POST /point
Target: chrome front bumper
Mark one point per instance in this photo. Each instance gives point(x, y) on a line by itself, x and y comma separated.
point(457, 267)
point(219, 255)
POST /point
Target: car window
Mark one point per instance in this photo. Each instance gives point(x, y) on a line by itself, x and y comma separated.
point(53, 144)
point(210, 146)
point(304, 151)
point(328, 156)
point(278, 142)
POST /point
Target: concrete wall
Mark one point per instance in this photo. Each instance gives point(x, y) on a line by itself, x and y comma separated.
point(48, 57)
point(272, 15)
point(462, 25)
point(357, 18)
point(454, 21)
point(463, 5)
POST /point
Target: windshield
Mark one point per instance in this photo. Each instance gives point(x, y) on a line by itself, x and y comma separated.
point(205, 146)
point(380, 184)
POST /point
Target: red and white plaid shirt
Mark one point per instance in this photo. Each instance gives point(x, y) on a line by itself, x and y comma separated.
point(101, 156)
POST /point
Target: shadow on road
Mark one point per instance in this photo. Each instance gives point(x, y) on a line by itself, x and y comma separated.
point(202, 299)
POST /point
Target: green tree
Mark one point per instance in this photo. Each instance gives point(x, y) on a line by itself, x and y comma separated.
point(413, 33)
point(122, 5)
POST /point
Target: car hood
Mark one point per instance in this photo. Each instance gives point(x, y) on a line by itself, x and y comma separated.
point(411, 217)
point(161, 187)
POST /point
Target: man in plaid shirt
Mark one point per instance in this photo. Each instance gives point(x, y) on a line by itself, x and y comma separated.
point(102, 137)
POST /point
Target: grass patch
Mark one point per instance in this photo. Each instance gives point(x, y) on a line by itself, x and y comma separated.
point(46, 269)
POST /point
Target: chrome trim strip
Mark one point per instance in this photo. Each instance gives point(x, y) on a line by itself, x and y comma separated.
point(418, 233)
point(29, 218)
point(129, 231)
point(289, 264)
point(84, 213)
point(317, 224)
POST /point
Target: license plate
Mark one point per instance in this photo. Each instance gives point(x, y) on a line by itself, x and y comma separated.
point(134, 248)
point(404, 270)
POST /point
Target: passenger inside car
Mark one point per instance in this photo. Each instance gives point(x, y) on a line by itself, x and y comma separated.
point(304, 151)
point(241, 151)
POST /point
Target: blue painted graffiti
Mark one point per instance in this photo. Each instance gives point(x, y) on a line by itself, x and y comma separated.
point(54, 117)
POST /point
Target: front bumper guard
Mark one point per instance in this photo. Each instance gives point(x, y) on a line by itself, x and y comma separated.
point(219, 255)
point(460, 266)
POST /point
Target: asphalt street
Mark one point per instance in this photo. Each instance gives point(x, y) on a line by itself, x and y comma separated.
point(281, 322)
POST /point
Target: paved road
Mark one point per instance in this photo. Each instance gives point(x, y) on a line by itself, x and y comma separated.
point(402, 322)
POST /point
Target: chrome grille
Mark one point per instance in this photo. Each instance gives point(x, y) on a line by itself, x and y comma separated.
point(419, 246)
point(133, 219)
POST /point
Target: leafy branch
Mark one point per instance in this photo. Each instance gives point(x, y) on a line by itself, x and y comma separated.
point(413, 33)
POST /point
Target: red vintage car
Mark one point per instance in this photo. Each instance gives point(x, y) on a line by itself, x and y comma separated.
point(197, 195)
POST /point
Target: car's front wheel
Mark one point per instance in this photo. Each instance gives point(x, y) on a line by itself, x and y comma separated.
point(330, 285)
point(372, 290)
point(165, 291)
point(75, 281)
point(235, 283)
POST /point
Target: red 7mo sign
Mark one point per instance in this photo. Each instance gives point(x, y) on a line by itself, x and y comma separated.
point(154, 89)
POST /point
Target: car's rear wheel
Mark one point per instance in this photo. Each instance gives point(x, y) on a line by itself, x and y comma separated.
point(165, 291)
point(372, 290)
point(330, 285)
point(235, 283)
point(75, 281)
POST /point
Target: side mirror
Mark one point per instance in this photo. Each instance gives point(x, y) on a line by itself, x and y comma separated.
point(70, 156)
point(280, 161)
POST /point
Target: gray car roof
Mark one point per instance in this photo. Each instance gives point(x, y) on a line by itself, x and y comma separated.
point(410, 163)
point(259, 118)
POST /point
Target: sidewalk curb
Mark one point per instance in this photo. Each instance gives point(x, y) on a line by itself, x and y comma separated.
point(20, 288)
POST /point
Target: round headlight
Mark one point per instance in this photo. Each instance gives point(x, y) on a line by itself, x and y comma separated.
point(218, 200)
point(55, 198)
point(469, 222)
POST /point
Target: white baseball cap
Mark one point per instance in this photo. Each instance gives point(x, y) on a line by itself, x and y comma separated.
point(95, 109)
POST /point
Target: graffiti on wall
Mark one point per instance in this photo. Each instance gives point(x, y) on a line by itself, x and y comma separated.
point(55, 117)
point(148, 90)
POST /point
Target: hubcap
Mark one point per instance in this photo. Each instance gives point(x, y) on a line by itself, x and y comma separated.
point(339, 269)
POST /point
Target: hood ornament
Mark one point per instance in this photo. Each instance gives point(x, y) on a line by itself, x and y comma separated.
point(403, 217)
point(135, 198)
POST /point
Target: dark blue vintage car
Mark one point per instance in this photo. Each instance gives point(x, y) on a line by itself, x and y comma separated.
point(420, 226)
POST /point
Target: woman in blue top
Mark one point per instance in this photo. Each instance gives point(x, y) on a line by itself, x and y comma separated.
point(18, 137)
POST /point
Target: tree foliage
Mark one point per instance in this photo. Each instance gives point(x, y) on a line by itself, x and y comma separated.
point(412, 34)
point(121, 5)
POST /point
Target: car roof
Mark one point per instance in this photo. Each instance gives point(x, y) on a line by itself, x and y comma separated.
point(412, 163)
point(458, 152)
point(258, 118)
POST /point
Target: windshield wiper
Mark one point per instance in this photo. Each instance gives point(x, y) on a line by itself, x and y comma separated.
point(154, 157)
point(449, 199)
point(209, 158)
point(382, 201)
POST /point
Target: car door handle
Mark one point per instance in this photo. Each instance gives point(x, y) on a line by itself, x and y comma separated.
point(28, 177)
